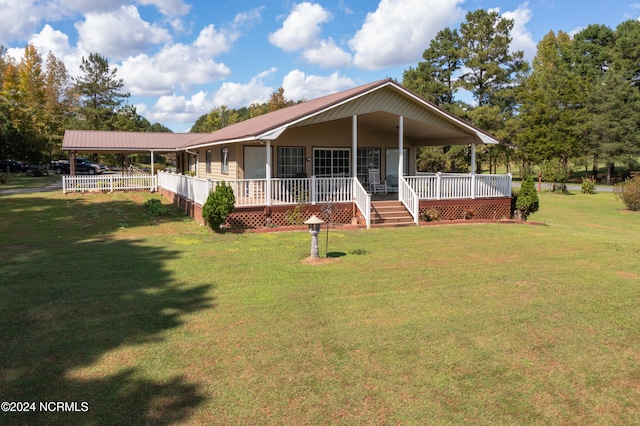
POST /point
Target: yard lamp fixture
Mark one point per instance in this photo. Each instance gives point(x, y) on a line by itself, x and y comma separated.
point(314, 223)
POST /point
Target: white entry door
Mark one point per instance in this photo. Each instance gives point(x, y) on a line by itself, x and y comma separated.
point(255, 160)
point(391, 160)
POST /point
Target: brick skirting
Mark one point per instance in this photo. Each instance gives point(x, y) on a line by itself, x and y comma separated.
point(486, 209)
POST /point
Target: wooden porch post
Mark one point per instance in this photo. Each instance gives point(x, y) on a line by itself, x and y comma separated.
point(268, 173)
point(151, 162)
point(72, 163)
point(400, 155)
point(354, 141)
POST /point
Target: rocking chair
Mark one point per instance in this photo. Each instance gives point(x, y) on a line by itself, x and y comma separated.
point(375, 185)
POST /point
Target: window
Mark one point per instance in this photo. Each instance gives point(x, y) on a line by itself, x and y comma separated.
point(224, 156)
point(207, 158)
point(328, 162)
point(368, 158)
point(290, 161)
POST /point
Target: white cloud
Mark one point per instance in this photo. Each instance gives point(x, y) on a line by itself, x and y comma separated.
point(399, 31)
point(299, 86)
point(179, 109)
point(168, 7)
point(176, 65)
point(236, 95)
point(301, 29)
point(19, 19)
point(522, 38)
point(327, 55)
point(133, 34)
point(212, 42)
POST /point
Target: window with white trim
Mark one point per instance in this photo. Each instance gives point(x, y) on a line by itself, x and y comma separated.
point(290, 161)
point(331, 162)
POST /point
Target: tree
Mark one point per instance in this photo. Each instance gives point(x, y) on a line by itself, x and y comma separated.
point(128, 119)
point(59, 102)
point(484, 52)
point(24, 90)
point(626, 53)
point(550, 103)
point(216, 119)
point(614, 114)
point(100, 94)
point(435, 77)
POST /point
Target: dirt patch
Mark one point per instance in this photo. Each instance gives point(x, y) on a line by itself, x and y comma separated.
point(320, 260)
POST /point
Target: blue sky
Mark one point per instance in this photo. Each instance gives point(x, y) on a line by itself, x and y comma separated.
point(180, 58)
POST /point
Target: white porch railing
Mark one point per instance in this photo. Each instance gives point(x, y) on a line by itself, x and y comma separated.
point(108, 183)
point(363, 200)
point(253, 192)
point(410, 199)
point(439, 186)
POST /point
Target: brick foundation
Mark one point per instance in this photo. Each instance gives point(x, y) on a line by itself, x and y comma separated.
point(292, 216)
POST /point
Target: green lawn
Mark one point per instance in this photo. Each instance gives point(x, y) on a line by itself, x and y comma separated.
point(162, 321)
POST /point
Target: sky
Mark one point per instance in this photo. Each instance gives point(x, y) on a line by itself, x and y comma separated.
point(179, 59)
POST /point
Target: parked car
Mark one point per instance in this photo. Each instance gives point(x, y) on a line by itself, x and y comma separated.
point(59, 166)
point(13, 165)
point(82, 167)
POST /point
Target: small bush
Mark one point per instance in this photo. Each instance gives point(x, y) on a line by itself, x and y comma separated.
point(431, 215)
point(155, 207)
point(629, 192)
point(526, 200)
point(588, 186)
point(4, 178)
point(219, 204)
point(358, 252)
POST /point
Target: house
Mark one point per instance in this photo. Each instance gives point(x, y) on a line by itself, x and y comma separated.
point(326, 150)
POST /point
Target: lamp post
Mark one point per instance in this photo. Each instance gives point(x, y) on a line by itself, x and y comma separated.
point(314, 223)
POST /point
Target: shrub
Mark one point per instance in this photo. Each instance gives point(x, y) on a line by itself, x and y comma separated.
point(155, 207)
point(629, 192)
point(431, 215)
point(219, 204)
point(557, 172)
point(588, 186)
point(527, 200)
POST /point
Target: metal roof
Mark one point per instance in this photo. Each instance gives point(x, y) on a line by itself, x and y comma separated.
point(270, 126)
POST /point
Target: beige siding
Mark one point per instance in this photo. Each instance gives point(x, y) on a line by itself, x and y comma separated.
point(216, 162)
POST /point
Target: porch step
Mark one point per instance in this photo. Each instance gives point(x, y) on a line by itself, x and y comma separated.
point(389, 213)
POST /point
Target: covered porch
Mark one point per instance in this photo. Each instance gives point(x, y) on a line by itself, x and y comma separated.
point(262, 197)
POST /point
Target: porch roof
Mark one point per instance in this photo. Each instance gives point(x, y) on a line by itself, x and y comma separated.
point(378, 112)
point(376, 104)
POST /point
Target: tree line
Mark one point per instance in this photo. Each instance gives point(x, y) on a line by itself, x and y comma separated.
point(577, 103)
point(39, 100)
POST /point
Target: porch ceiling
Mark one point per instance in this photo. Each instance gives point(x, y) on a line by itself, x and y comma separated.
point(414, 131)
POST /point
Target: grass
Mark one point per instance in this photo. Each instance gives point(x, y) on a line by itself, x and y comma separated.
point(158, 320)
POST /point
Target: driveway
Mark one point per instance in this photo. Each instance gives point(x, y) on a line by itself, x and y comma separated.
point(55, 186)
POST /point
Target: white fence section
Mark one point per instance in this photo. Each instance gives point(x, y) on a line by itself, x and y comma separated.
point(109, 183)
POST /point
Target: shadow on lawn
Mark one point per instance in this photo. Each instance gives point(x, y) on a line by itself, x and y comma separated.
point(76, 313)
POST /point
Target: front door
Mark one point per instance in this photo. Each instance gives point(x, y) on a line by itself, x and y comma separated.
point(391, 160)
